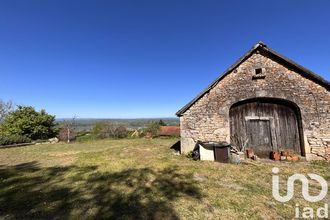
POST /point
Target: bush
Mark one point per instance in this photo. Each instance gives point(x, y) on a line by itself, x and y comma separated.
point(190, 154)
point(109, 130)
point(67, 131)
point(162, 123)
point(13, 139)
point(152, 128)
point(26, 121)
point(86, 137)
point(102, 130)
point(120, 132)
point(82, 133)
point(67, 134)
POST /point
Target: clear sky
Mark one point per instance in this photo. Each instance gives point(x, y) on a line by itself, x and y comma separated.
point(136, 58)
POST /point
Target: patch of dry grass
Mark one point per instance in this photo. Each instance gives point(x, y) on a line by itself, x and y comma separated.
point(138, 179)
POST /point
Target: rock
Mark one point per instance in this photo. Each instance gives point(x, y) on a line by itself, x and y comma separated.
point(176, 153)
point(241, 156)
point(255, 157)
point(53, 140)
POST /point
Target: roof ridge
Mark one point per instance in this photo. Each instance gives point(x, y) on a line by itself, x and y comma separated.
point(307, 73)
point(260, 43)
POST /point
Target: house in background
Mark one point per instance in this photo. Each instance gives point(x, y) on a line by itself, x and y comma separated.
point(266, 100)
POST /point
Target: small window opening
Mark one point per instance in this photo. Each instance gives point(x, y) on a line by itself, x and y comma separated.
point(258, 71)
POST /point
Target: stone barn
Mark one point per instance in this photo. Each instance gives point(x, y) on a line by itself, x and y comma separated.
point(265, 100)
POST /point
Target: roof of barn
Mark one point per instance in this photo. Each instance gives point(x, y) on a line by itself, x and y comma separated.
point(260, 46)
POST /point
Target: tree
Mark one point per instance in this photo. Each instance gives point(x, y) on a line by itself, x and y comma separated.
point(161, 123)
point(103, 129)
point(152, 128)
point(5, 109)
point(121, 132)
point(109, 130)
point(26, 121)
point(68, 130)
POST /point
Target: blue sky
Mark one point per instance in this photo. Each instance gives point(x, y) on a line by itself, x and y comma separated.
point(131, 59)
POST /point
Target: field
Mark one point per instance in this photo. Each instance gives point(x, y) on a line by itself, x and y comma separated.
point(140, 179)
point(84, 124)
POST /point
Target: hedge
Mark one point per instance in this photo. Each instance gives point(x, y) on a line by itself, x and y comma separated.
point(13, 139)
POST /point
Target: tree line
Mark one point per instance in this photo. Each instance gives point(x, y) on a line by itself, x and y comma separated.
point(23, 124)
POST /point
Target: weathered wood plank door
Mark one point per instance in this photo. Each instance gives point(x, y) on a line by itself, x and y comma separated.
point(259, 135)
point(265, 125)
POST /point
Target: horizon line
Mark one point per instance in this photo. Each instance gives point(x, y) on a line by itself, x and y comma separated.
point(118, 118)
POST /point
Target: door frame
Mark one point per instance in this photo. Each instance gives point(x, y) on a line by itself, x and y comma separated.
point(286, 102)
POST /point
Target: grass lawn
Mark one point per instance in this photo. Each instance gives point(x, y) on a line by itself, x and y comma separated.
point(140, 179)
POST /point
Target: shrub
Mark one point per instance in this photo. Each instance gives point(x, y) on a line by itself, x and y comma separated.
point(67, 134)
point(86, 137)
point(67, 131)
point(152, 128)
point(26, 121)
point(13, 139)
point(162, 123)
point(190, 154)
point(120, 132)
point(82, 133)
point(109, 130)
point(101, 130)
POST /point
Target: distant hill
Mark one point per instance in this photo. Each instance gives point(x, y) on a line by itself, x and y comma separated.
point(88, 123)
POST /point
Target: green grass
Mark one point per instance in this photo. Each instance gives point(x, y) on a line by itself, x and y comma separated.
point(139, 179)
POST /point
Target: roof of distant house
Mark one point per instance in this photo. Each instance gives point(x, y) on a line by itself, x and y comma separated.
point(169, 130)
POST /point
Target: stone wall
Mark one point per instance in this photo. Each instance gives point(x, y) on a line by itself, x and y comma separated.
point(208, 118)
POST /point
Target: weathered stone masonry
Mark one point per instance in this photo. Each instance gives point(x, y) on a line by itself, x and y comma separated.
point(207, 117)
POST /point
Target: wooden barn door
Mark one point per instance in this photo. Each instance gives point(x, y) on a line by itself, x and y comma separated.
point(265, 125)
point(259, 135)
